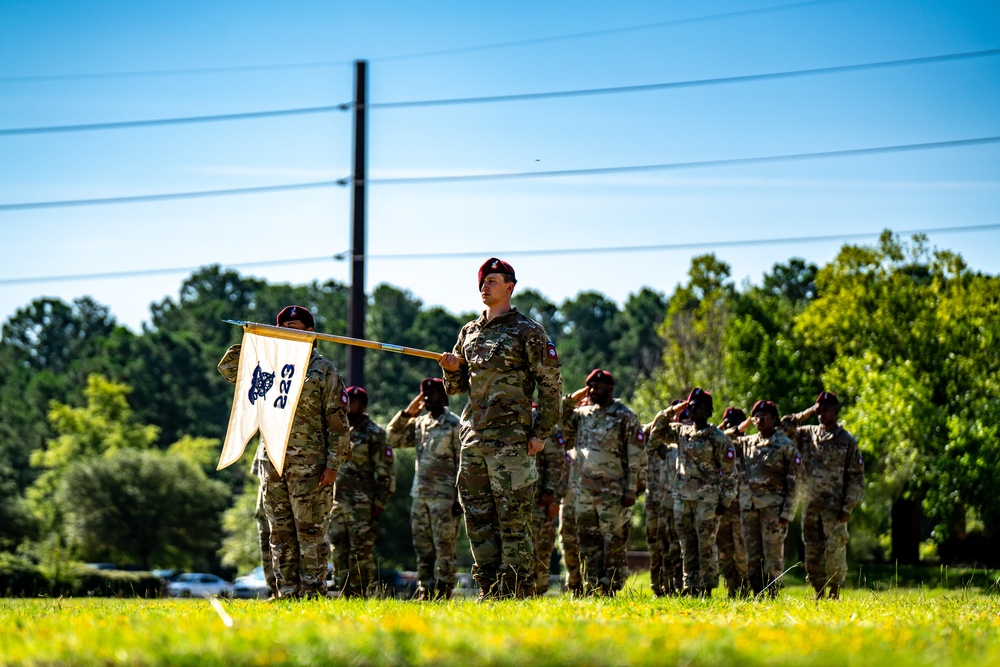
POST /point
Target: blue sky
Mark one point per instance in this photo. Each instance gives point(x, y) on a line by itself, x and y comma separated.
point(683, 40)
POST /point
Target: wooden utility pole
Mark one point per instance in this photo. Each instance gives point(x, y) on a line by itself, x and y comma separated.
point(359, 182)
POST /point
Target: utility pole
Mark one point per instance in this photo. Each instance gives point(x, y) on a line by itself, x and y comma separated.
point(359, 180)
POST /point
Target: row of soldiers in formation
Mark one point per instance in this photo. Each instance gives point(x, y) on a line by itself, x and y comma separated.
point(504, 465)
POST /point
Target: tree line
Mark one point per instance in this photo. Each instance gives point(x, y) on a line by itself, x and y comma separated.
point(103, 430)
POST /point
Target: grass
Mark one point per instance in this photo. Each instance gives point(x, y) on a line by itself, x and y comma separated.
point(895, 627)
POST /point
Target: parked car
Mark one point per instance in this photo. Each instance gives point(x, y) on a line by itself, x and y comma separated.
point(198, 584)
point(252, 585)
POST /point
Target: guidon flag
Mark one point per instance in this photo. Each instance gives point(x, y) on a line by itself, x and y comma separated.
point(268, 385)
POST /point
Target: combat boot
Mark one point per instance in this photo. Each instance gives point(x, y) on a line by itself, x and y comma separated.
point(834, 592)
point(442, 591)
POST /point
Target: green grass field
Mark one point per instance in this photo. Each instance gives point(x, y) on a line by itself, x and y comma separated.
point(893, 628)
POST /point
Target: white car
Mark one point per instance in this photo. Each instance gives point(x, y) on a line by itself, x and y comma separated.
point(196, 584)
point(253, 585)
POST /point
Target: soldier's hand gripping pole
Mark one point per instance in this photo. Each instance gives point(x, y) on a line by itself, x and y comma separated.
point(297, 334)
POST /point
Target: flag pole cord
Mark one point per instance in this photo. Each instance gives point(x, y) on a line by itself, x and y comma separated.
point(297, 334)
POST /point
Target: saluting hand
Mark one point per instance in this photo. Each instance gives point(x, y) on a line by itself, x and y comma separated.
point(744, 425)
point(416, 406)
point(579, 396)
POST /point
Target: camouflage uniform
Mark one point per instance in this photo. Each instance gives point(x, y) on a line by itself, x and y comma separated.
point(264, 536)
point(834, 476)
point(654, 527)
point(729, 542)
point(553, 475)
point(503, 361)
point(769, 474)
point(569, 543)
point(432, 519)
point(296, 507)
point(610, 448)
point(706, 480)
point(672, 577)
point(365, 482)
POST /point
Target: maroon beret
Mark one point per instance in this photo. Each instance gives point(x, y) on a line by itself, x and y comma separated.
point(827, 398)
point(733, 416)
point(764, 406)
point(698, 394)
point(598, 375)
point(494, 265)
point(427, 385)
point(289, 313)
point(357, 392)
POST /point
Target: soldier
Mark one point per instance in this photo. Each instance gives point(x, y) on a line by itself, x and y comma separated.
point(654, 526)
point(434, 515)
point(732, 551)
point(500, 359)
point(364, 486)
point(661, 532)
point(553, 475)
point(705, 486)
point(835, 484)
point(769, 465)
point(297, 503)
point(610, 447)
point(569, 543)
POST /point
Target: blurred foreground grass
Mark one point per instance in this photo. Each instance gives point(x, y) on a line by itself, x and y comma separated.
point(895, 627)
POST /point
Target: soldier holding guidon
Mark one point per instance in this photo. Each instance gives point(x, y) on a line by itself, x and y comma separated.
point(500, 359)
point(297, 503)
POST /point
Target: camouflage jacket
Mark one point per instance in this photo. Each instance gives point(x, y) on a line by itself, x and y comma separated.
point(369, 475)
point(769, 471)
point(438, 450)
point(319, 434)
point(610, 446)
point(503, 361)
point(832, 463)
point(706, 460)
point(552, 464)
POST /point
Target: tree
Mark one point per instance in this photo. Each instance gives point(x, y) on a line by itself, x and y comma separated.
point(142, 507)
point(638, 350)
point(589, 322)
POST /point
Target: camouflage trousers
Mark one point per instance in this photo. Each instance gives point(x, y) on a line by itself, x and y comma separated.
point(602, 525)
point(496, 487)
point(672, 576)
point(569, 543)
point(543, 536)
point(732, 551)
point(264, 539)
point(697, 526)
point(825, 537)
point(765, 541)
point(654, 543)
point(352, 538)
point(297, 511)
point(435, 532)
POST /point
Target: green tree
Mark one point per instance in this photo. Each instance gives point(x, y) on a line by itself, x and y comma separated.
point(141, 507)
point(240, 548)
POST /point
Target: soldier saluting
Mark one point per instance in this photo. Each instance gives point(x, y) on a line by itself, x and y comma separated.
point(835, 485)
point(500, 359)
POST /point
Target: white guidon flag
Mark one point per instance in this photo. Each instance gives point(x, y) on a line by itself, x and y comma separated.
point(268, 385)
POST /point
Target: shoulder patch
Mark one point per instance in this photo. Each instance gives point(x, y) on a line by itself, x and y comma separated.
point(798, 460)
point(561, 440)
point(344, 398)
point(388, 452)
point(861, 461)
point(730, 453)
point(550, 349)
point(640, 436)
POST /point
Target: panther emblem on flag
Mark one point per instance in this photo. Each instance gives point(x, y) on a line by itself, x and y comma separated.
point(260, 385)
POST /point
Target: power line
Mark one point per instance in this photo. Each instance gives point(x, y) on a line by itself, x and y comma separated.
point(699, 164)
point(408, 56)
point(706, 245)
point(747, 78)
point(517, 97)
point(670, 166)
point(119, 125)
